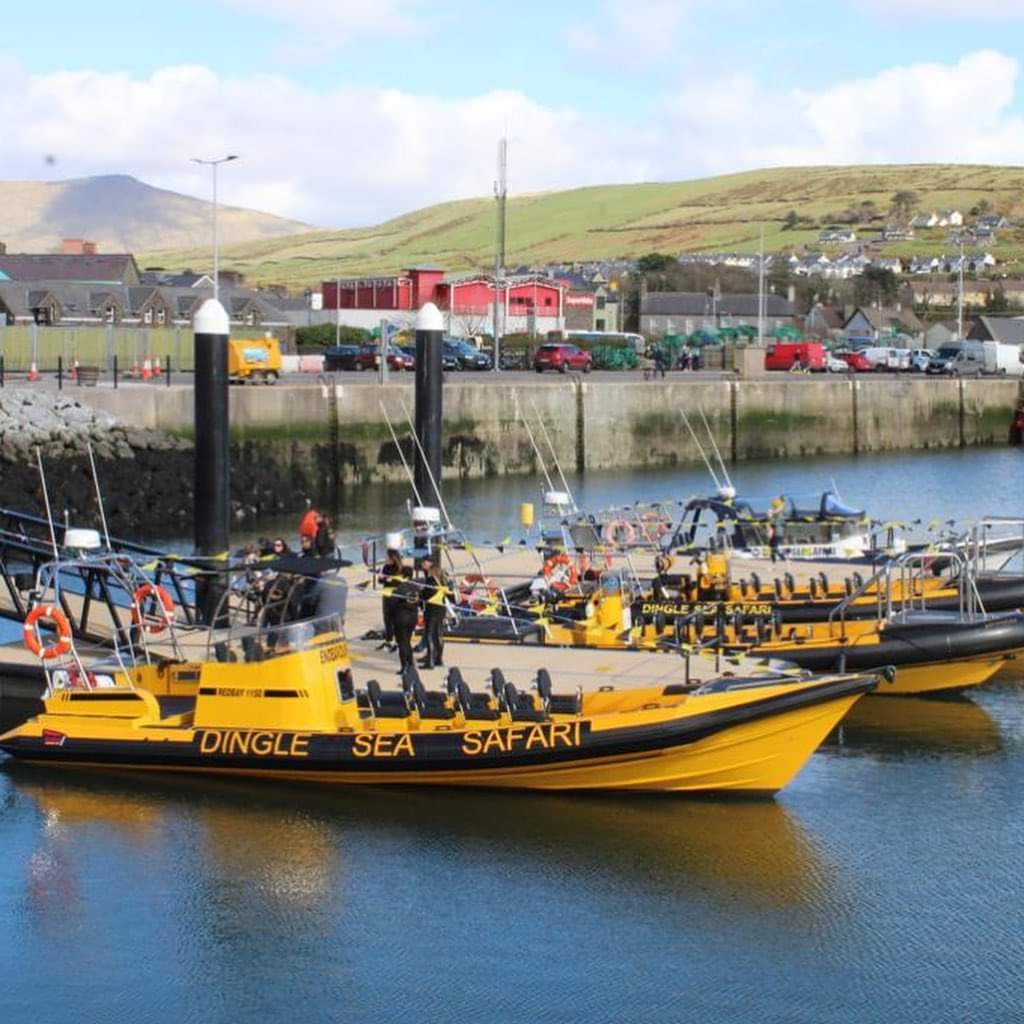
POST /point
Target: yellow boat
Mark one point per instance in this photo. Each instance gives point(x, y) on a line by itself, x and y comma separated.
point(281, 703)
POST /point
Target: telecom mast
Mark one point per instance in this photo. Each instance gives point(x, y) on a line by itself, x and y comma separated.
point(501, 195)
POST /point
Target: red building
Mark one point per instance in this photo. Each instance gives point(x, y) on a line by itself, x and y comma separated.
point(470, 296)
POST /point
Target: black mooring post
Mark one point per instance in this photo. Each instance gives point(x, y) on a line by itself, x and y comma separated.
point(60, 373)
point(429, 409)
point(115, 372)
point(212, 509)
point(168, 373)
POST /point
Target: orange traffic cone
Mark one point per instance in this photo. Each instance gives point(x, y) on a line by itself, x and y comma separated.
point(147, 368)
point(156, 367)
point(33, 373)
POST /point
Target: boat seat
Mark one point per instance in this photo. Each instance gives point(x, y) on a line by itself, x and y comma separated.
point(430, 704)
point(521, 706)
point(558, 703)
point(385, 705)
point(252, 649)
point(222, 652)
point(472, 705)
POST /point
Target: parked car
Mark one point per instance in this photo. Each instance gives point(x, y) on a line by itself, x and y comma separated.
point(467, 356)
point(942, 360)
point(341, 357)
point(988, 357)
point(562, 358)
point(833, 364)
point(857, 361)
point(883, 358)
point(919, 359)
point(368, 358)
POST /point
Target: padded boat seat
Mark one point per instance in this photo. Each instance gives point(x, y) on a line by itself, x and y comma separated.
point(558, 703)
point(430, 704)
point(472, 705)
point(521, 706)
point(383, 704)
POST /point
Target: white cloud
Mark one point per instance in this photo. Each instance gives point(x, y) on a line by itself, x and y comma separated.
point(635, 32)
point(907, 9)
point(354, 156)
point(339, 21)
point(345, 157)
point(914, 114)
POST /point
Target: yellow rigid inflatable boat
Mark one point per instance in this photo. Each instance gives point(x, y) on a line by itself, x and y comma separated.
point(282, 703)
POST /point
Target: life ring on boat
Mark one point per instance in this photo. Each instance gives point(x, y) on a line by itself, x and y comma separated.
point(59, 621)
point(560, 572)
point(473, 586)
point(618, 533)
point(165, 603)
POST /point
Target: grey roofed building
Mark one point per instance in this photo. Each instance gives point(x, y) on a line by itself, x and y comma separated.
point(119, 268)
point(685, 312)
point(1007, 329)
point(870, 321)
point(70, 304)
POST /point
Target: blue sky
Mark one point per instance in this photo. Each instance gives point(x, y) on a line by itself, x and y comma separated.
point(350, 111)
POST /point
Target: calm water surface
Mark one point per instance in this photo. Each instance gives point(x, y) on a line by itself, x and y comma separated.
point(883, 885)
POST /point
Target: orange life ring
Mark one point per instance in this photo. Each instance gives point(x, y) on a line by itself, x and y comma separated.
point(164, 602)
point(560, 572)
point(471, 588)
point(619, 533)
point(30, 632)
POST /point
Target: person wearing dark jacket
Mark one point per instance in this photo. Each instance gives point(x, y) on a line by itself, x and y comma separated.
point(435, 590)
point(404, 614)
point(389, 577)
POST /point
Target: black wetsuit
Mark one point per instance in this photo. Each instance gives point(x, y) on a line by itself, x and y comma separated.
point(404, 614)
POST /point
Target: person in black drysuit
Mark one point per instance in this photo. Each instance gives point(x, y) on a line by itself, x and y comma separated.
point(433, 594)
point(404, 613)
point(390, 576)
point(659, 362)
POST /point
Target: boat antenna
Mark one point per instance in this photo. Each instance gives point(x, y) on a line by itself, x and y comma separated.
point(536, 450)
point(401, 454)
point(700, 448)
point(551, 448)
point(99, 495)
point(714, 447)
point(46, 502)
point(426, 466)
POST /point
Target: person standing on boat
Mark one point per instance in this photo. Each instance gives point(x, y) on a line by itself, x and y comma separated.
point(435, 590)
point(775, 534)
point(390, 576)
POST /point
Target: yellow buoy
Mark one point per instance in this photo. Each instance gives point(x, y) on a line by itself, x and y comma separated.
point(526, 513)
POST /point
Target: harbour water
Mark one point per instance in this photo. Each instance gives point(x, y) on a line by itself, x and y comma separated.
point(882, 885)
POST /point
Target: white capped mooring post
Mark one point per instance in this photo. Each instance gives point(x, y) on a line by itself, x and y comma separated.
point(429, 410)
point(211, 512)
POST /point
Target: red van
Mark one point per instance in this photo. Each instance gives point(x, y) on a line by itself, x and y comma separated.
point(783, 355)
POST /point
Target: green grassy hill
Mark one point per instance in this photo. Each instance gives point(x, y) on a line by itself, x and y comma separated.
point(721, 213)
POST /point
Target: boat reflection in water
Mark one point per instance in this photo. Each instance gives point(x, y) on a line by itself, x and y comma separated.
point(902, 728)
point(303, 847)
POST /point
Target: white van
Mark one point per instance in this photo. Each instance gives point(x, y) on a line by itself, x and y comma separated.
point(887, 358)
point(989, 357)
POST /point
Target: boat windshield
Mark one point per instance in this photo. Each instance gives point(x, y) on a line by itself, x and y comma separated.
point(262, 643)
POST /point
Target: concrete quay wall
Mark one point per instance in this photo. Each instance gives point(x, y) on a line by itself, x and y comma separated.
point(591, 424)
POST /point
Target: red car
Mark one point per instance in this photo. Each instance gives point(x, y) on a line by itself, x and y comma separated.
point(562, 358)
point(368, 358)
point(856, 361)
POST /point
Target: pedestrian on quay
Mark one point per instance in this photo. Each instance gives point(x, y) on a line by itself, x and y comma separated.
point(435, 590)
point(775, 531)
point(391, 574)
point(659, 363)
point(404, 614)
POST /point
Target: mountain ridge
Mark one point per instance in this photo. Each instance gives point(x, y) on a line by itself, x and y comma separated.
point(123, 214)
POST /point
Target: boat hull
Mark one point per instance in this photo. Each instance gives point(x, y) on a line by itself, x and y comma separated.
point(754, 747)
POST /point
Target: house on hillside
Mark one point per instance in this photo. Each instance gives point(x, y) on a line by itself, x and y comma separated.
point(940, 334)
point(991, 222)
point(869, 323)
point(897, 233)
point(1007, 329)
point(888, 263)
point(924, 265)
point(837, 236)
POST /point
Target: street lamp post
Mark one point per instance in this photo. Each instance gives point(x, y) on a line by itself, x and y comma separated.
point(216, 254)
